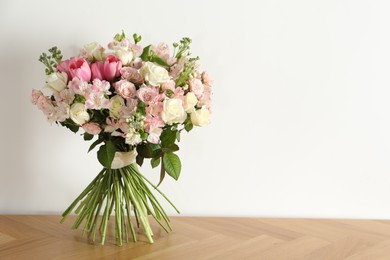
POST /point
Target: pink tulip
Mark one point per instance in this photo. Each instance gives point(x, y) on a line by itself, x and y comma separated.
point(64, 66)
point(97, 70)
point(112, 67)
point(80, 68)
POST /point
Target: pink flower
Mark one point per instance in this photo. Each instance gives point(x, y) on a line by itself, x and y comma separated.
point(46, 106)
point(131, 75)
point(97, 100)
point(61, 112)
point(205, 100)
point(92, 128)
point(79, 68)
point(112, 67)
point(97, 70)
point(153, 126)
point(64, 66)
point(35, 95)
point(147, 94)
point(137, 63)
point(162, 50)
point(66, 96)
point(206, 78)
point(125, 89)
point(80, 87)
point(168, 85)
point(197, 87)
point(155, 108)
point(152, 122)
point(101, 86)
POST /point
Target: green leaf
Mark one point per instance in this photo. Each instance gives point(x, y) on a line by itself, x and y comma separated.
point(140, 160)
point(87, 136)
point(158, 60)
point(168, 137)
point(94, 144)
point(149, 150)
point(172, 165)
point(106, 154)
point(172, 148)
point(155, 162)
point(68, 123)
point(146, 53)
point(188, 126)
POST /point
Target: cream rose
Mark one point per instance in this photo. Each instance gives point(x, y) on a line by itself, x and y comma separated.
point(173, 111)
point(57, 81)
point(93, 51)
point(154, 74)
point(190, 101)
point(117, 102)
point(125, 56)
point(201, 117)
point(79, 114)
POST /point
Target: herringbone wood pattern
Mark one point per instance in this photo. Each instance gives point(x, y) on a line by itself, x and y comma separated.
point(43, 237)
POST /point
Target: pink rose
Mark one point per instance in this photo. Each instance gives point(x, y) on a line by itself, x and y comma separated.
point(197, 87)
point(79, 68)
point(147, 94)
point(112, 67)
point(92, 128)
point(131, 75)
point(125, 89)
point(97, 70)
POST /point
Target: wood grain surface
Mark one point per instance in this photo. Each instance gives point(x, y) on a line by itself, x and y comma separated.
point(43, 237)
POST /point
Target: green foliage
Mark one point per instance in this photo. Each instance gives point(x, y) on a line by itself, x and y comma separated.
point(149, 55)
point(149, 150)
point(168, 137)
point(106, 154)
point(183, 47)
point(137, 38)
point(120, 37)
point(189, 69)
point(87, 136)
point(172, 164)
point(94, 144)
point(155, 162)
point(72, 126)
point(51, 60)
point(188, 124)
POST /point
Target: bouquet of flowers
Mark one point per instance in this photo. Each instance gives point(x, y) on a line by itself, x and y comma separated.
point(134, 102)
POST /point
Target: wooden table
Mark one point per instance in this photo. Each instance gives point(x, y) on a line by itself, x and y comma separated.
point(43, 237)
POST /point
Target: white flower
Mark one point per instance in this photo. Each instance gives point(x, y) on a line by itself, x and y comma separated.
point(125, 56)
point(132, 137)
point(200, 117)
point(79, 114)
point(190, 101)
point(117, 102)
point(154, 74)
point(173, 111)
point(56, 81)
point(123, 159)
point(93, 51)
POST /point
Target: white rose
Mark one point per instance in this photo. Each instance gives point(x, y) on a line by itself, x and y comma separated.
point(125, 56)
point(190, 101)
point(201, 117)
point(79, 114)
point(154, 74)
point(117, 102)
point(57, 81)
point(93, 51)
point(173, 111)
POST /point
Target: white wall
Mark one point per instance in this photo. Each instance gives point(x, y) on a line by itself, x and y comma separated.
point(301, 123)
